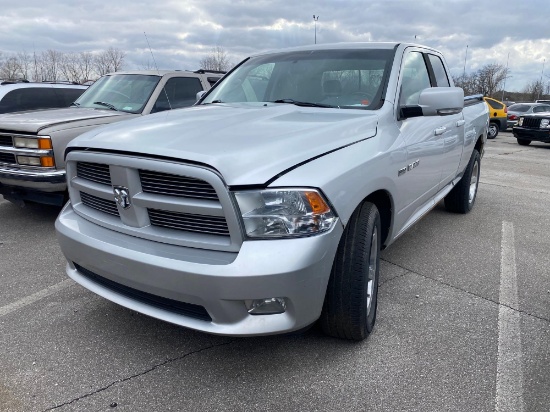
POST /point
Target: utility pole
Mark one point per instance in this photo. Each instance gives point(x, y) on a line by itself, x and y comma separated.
point(505, 77)
point(464, 72)
point(315, 19)
point(540, 81)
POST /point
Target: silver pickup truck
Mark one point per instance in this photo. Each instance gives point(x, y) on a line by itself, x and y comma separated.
point(32, 144)
point(263, 208)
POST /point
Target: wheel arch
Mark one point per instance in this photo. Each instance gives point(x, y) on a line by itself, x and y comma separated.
point(384, 203)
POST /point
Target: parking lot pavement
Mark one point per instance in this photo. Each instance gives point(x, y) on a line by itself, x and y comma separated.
point(463, 323)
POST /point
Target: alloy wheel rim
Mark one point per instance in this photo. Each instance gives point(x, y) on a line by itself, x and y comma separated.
point(473, 182)
point(373, 263)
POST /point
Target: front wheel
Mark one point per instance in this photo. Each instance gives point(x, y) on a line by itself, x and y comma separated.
point(493, 131)
point(523, 142)
point(462, 197)
point(349, 310)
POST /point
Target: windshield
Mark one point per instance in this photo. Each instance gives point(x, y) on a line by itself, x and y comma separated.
point(346, 79)
point(122, 92)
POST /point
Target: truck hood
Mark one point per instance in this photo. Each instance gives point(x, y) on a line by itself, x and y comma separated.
point(35, 121)
point(247, 143)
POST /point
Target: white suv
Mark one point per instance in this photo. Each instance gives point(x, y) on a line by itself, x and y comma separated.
point(17, 96)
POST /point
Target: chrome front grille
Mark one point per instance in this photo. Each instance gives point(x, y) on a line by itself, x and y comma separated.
point(97, 203)
point(163, 201)
point(95, 172)
point(214, 225)
point(174, 185)
point(7, 158)
point(6, 140)
point(531, 122)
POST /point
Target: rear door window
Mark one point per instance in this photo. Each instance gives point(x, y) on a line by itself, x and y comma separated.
point(66, 96)
point(439, 71)
point(29, 98)
point(495, 105)
point(178, 92)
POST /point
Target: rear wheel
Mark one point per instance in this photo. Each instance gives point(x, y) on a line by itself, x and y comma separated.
point(493, 131)
point(463, 196)
point(523, 142)
point(349, 310)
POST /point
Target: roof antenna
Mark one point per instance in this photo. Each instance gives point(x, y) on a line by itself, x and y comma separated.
point(158, 72)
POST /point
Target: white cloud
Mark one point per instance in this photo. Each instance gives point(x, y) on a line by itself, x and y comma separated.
point(182, 32)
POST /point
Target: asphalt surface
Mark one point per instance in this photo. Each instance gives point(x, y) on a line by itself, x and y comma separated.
point(463, 323)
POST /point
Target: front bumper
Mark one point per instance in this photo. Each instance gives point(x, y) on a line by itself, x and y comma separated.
point(37, 186)
point(220, 282)
point(539, 135)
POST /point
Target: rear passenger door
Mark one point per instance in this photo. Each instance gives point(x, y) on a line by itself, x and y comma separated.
point(453, 133)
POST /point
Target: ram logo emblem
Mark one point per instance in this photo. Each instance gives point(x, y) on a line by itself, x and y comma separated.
point(122, 196)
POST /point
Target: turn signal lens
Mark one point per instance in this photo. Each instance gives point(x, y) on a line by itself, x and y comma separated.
point(47, 161)
point(44, 143)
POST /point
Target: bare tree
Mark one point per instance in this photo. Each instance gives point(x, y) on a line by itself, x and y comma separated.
point(50, 65)
point(533, 90)
point(78, 67)
point(11, 69)
point(216, 60)
point(486, 81)
point(108, 61)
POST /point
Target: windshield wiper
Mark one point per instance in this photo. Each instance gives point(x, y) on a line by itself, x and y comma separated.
point(299, 103)
point(75, 104)
point(109, 105)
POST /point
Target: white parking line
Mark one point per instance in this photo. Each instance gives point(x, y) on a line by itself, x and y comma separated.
point(4, 310)
point(509, 393)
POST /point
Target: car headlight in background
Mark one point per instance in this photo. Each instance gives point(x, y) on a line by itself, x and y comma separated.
point(545, 123)
point(41, 154)
point(520, 121)
point(275, 213)
point(42, 143)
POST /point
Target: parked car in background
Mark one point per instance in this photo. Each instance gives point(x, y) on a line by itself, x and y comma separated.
point(18, 96)
point(497, 117)
point(519, 109)
point(32, 144)
point(533, 127)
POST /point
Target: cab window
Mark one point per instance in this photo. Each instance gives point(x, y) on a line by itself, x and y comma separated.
point(178, 92)
point(439, 71)
point(415, 79)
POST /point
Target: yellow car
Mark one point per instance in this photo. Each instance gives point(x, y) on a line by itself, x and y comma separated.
point(498, 117)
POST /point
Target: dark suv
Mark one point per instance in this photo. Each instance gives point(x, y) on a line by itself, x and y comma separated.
point(18, 96)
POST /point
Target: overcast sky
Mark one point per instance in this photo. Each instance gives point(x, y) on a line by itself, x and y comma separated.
point(182, 32)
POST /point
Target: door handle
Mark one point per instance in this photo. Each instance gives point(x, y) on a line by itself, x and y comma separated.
point(460, 123)
point(440, 130)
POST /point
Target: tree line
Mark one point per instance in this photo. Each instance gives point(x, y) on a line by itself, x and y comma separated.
point(490, 81)
point(55, 66)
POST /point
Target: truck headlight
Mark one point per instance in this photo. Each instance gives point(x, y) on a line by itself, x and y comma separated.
point(276, 213)
point(520, 121)
point(41, 142)
point(545, 123)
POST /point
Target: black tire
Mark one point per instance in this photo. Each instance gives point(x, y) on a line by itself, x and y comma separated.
point(349, 310)
point(493, 130)
point(523, 142)
point(463, 196)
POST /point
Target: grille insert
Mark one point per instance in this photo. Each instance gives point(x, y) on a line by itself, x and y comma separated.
point(174, 185)
point(171, 305)
point(531, 122)
point(97, 203)
point(6, 141)
point(211, 225)
point(7, 158)
point(95, 172)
